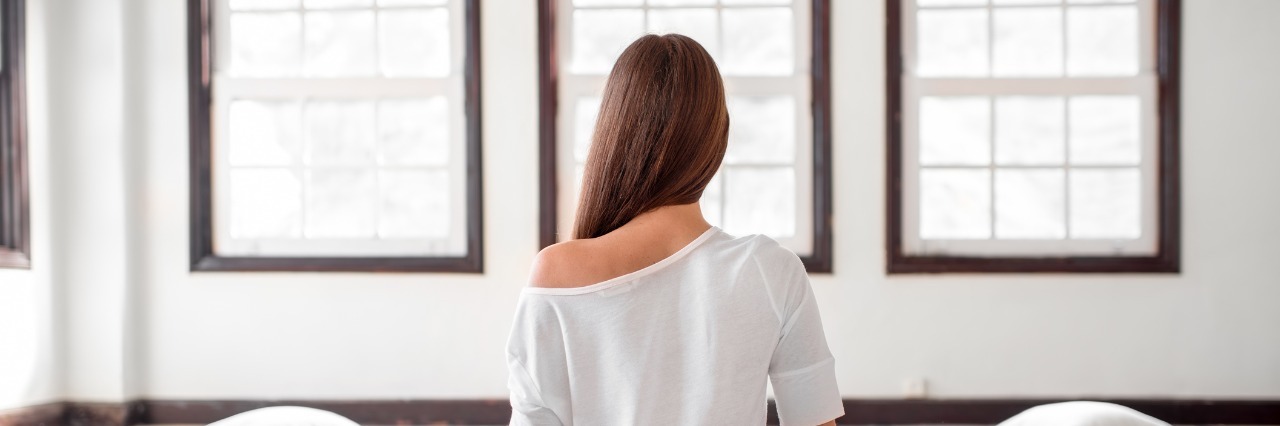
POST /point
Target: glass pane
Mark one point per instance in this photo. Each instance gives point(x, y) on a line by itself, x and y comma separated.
point(581, 3)
point(584, 124)
point(1106, 204)
point(681, 2)
point(761, 129)
point(1102, 41)
point(698, 24)
point(340, 44)
point(414, 131)
point(265, 133)
point(955, 131)
point(1031, 204)
point(1106, 130)
point(329, 4)
point(266, 44)
point(754, 2)
point(1030, 130)
point(758, 41)
point(1028, 42)
point(262, 4)
point(952, 43)
point(927, 3)
point(414, 43)
point(340, 132)
point(265, 204)
point(599, 36)
point(412, 2)
point(712, 201)
point(1022, 2)
point(415, 204)
point(760, 201)
point(955, 204)
point(341, 203)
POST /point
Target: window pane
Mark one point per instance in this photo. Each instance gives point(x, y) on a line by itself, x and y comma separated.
point(415, 204)
point(585, 112)
point(761, 130)
point(265, 204)
point(955, 131)
point(266, 44)
point(758, 41)
point(955, 204)
point(599, 36)
point(698, 24)
point(1024, 2)
point(413, 131)
point(340, 132)
point(581, 3)
point(1102, 41)
point(1106, 204)
point(414, 43)
point(341, 203)
point(681, 2)
point(1030, 204)
point(1106, 130)
point(412, 2)
point(927, 3)
point(1030, 130)
point(754, 2)
point(1028, 42)
point(340, 44)
point(760, 201)
point(328, 4)
point(952, 43)
point(265, 133)
point(262, 4)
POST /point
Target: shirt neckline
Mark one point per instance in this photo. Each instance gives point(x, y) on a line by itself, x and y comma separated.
point(628, 277)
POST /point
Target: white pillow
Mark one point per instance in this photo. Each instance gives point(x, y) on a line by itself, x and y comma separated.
point(1082, 413)
point(285, 416)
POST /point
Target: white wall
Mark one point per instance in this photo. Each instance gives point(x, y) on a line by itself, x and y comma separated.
point(30, 346)
point(1208, 332)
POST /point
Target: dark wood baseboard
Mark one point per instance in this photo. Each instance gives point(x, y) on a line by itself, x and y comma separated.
point(36, 415)
point(482, 412)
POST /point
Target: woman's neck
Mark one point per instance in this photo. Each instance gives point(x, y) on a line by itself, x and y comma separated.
point(682, 218)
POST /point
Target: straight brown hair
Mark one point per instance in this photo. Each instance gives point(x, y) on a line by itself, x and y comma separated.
point(660, 137)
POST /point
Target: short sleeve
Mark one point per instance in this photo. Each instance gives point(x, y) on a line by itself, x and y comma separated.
point(802, 369)
point(537, 371)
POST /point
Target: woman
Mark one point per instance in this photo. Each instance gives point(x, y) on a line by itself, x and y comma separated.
point(651, 316)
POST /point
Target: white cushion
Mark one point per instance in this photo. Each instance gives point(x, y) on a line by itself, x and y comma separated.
point(285, 416)
point(1082, 413)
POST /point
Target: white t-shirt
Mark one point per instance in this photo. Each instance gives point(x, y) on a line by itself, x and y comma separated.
point(689, 340)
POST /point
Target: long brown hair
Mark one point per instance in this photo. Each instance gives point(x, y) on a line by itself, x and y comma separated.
point(660, 137)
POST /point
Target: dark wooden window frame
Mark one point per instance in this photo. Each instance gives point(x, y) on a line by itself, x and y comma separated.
point(819, 261)
point(15, 210)
point(203, 258)
point(1167, 257)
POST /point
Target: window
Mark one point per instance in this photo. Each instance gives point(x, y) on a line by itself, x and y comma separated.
point(14, 223)
point(1032, 136)
point(335, 135)
point(773, 55)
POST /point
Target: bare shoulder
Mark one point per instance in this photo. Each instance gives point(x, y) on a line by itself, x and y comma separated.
point(562, 265)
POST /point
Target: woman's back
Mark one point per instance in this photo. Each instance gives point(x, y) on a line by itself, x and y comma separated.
point(690, 339)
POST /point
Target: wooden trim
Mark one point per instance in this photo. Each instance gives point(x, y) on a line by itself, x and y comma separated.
point(44, 414)
point(203, 258)
point(498, 411)
point(820, 260)
point(1167, 258)
point(15, 209)
point(548, 107)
